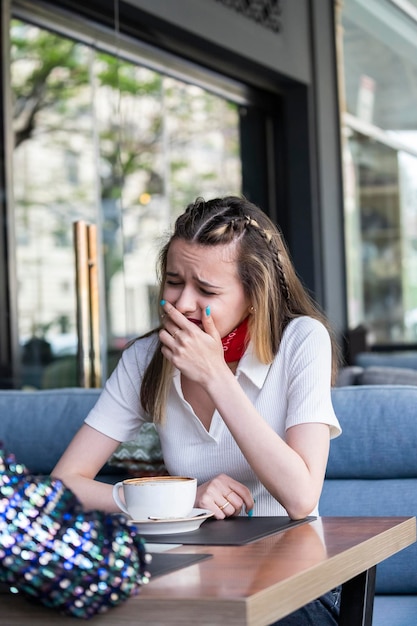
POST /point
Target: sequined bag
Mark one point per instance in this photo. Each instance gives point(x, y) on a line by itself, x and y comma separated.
point(55, 553)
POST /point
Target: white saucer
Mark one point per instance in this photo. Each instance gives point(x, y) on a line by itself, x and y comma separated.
point(168, 527)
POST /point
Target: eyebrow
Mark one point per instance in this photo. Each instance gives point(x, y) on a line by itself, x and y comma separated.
point(199, 280)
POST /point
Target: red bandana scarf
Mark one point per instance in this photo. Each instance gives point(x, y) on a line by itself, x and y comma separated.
point(234, 344)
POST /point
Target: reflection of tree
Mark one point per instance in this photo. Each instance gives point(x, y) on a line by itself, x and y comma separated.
point(51, 75)
point(159, 143)
point(54, 76)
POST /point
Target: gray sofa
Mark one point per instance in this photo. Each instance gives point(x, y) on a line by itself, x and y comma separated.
point(406, 359)
point(376, 375)
point(372, 467)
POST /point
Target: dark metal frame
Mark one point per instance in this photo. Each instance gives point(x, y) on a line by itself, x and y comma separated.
point(357, 603)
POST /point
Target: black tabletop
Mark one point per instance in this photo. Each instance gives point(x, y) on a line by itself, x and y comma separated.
point(232, 531)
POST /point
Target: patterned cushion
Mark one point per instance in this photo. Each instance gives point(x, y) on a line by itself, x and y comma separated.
point(140, 457)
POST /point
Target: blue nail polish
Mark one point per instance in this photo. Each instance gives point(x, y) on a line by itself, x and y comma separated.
point(250, 513)
point(207, 311)
point(163, 302)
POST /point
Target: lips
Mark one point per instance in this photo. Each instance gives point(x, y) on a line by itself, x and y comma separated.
point(194, 321)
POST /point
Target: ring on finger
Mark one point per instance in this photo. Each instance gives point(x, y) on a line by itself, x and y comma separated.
point(227, 503)
point(175, 334)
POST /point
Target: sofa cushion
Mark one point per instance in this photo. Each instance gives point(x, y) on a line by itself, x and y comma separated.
point(382, 375)
point(379, 438)
point(37, 426)
point(401, 358)
point(395, 611)
point(141, 456)
point(378, 498)
point(348, 375)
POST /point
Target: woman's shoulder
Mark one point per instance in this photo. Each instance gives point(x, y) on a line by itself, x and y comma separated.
point(147, 341)
point(305, 325)
point(305, 333)
point(141, 350)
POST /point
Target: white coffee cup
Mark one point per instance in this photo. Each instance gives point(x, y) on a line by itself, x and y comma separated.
point(162, 497)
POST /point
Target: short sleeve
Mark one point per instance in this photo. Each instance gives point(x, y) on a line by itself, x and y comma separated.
point(308, 356)
point(118, 412)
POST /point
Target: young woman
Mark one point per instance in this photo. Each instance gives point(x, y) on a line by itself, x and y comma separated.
point(237, 379)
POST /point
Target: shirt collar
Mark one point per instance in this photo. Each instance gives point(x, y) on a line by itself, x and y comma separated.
point(252, 368)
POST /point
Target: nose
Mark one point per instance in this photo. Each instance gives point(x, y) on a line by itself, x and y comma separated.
point(187, 301)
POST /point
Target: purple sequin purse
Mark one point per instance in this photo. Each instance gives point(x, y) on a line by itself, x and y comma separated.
point(52, 551)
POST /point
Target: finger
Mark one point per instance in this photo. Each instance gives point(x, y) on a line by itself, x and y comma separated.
point(172, 330)
point(165, 336)
point(168, 343)
point(174, 320)
point(208, 324)
point(226, 508)
point(171, 312)
point(175, 333)
point(166, 322)
point(240, 496)
point(235, 500)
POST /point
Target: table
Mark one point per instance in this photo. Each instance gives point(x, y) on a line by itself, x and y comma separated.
point(257, 583)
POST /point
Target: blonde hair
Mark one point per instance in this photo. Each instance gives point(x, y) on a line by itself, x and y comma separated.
point(267, 274)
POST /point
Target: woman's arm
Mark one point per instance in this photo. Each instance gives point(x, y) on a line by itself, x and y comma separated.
point(292, 469)
point(79, 465)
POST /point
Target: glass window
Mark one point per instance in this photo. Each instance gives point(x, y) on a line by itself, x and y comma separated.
point(380, 164)
point(111, 142)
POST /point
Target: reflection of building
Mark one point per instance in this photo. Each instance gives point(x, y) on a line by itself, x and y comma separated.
point(126, 160)
point(276, 64)
point(46, 281)
point(380, 122)
point(133, 303)
point(273, 62)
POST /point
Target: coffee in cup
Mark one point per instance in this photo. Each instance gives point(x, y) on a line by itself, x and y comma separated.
point(161, 497)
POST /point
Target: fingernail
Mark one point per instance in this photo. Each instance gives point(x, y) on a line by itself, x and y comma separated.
point(207, 311)
point(250, 513)
point(163, 302)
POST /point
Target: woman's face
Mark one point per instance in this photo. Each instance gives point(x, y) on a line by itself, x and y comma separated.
point(200, 276)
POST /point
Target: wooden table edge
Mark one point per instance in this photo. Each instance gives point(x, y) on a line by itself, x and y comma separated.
point(255, 610)
point(343, 567)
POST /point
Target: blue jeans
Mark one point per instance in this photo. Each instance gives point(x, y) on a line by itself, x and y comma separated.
point(321, 612)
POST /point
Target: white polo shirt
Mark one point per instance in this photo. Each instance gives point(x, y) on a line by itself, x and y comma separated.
point(293, 389)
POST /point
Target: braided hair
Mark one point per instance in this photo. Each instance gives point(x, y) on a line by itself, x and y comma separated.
point(265, 270)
